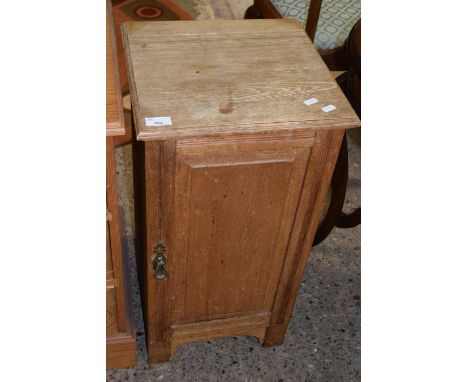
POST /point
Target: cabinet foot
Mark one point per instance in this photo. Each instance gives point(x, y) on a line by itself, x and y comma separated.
point(120, 351)
point(159, 352)
point(274, 335)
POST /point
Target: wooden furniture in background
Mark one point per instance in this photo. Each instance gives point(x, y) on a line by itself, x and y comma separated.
point(350, 83)
point(229, 195)
point(332, 51)
point(138, 10)
point(352, 88)
point(121, 345)
point(340, 58)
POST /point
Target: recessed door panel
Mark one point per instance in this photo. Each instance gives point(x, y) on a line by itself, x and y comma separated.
point(233, 214)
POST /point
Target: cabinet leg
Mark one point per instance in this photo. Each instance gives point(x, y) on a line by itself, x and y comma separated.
point(274, 335)
point(159, 352)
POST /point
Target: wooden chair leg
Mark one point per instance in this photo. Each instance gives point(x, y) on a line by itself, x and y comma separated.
point(338, 192)
point(335, 59)
point(334, 216)
point(252, 12)
point(349, 220)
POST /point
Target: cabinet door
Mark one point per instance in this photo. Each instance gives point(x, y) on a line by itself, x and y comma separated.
point(234, 208)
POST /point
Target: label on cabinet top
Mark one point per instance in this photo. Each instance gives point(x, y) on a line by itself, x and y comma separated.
point(228, 76)
point(328, 108)
point(310, 101)
point(158, 121)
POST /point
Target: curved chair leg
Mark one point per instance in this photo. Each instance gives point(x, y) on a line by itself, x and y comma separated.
point(338, 185)
point(349, 220)
point(339, 182)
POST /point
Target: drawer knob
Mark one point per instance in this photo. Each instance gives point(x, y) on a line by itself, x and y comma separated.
point(159, 262)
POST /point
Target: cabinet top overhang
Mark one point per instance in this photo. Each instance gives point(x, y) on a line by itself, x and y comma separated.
point(223, 77)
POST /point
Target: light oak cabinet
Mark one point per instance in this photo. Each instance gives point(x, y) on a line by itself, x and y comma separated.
point(228, 196)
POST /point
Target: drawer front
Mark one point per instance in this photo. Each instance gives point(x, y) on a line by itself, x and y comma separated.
point(234, 208)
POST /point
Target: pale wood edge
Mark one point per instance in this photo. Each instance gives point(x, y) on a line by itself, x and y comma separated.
point(131, 78)
point(115, 127)
point(213, 131)
point(336, 73)
point(121, 351)
point(181, 28)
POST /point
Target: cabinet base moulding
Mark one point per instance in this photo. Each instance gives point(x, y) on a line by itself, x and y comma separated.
point(254, 325)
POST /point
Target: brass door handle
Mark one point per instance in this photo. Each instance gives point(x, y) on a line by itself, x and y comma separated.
point(159, 262)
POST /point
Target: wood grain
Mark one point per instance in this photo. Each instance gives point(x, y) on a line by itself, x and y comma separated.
point(209, 78)
point(234, 189)
point(114, 234)
point(115, 124)
point(154, 162)
point(247, 325)
point(233, 213)
point(120, 351)
point(120, 339)
point(121, 345)
point(315, 186)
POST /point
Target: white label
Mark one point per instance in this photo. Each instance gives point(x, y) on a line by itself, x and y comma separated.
point(328, 108)
point(310, 101)
point(158, 121)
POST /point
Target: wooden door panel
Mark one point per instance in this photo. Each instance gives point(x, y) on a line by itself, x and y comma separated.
point(233, 214)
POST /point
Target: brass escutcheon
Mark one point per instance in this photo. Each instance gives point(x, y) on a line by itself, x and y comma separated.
point(159, 262)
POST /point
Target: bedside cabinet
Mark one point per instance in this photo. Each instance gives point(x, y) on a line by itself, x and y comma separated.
point(120, 344)
point(231, 172)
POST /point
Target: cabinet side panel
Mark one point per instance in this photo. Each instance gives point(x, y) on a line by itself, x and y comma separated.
point(320, 168)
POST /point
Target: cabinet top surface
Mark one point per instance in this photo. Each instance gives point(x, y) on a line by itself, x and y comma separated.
point(215, 77)
point(114, 110)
